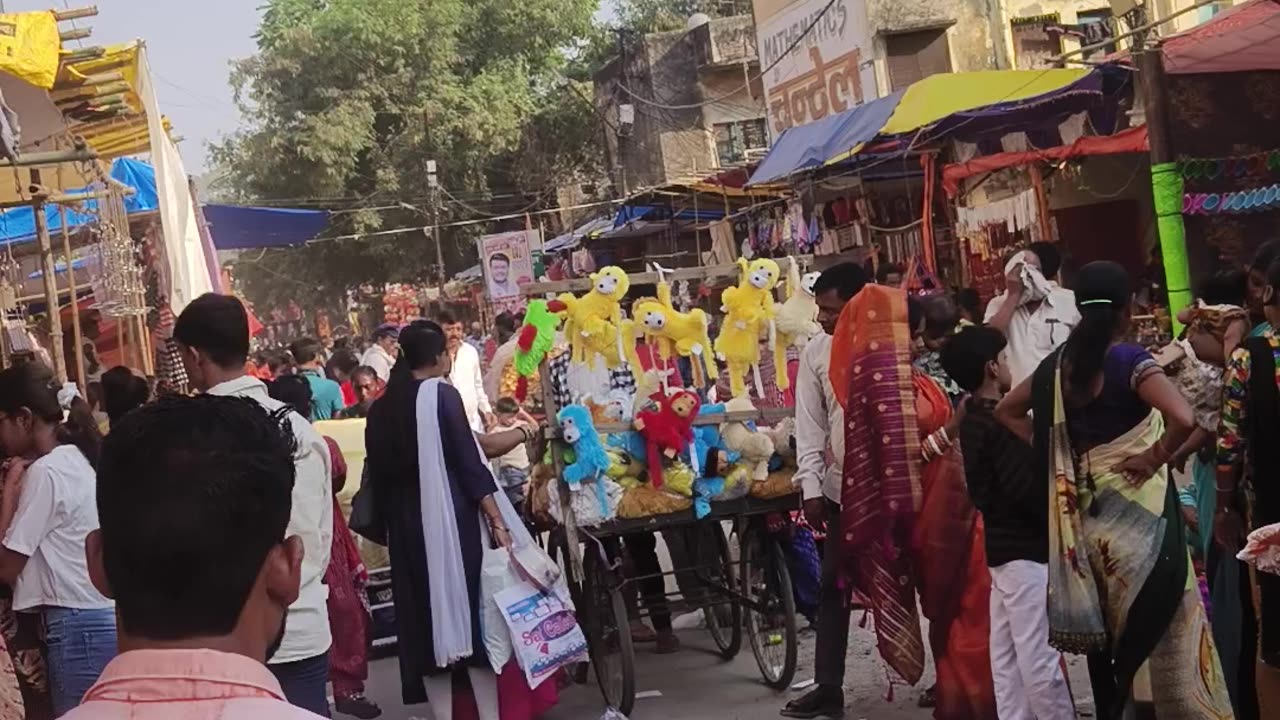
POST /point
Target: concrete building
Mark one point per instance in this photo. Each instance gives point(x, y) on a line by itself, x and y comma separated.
point(705, 102)
point(862, 49)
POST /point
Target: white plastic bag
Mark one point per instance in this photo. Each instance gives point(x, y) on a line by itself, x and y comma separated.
point(544, 631)
point(496, 574)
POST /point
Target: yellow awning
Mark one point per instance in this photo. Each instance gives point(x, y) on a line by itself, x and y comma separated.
point(937, 96)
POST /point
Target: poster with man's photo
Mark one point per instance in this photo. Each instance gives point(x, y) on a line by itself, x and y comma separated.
point(507, 263)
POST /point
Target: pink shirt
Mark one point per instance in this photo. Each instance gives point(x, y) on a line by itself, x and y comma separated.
point(186, 685)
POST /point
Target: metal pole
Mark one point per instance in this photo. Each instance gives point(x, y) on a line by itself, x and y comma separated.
point(50, 283)
point(433, 188)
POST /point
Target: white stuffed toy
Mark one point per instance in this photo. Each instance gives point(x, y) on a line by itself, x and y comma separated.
point(797, 318)
point(755, 447)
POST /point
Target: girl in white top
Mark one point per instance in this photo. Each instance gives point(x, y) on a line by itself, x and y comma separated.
point(47, 508)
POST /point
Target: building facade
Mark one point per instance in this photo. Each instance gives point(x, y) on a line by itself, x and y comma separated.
point(856, 50)
point(682, 104)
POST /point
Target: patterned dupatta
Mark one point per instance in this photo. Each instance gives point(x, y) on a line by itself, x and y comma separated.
point(881, 493)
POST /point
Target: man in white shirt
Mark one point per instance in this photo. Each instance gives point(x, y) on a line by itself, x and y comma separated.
point(820, 459)
point(381, 356)
point(213, 336)
point(466, 375)
point(1035, 313)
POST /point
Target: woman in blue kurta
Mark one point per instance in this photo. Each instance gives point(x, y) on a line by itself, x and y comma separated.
point(435, 492)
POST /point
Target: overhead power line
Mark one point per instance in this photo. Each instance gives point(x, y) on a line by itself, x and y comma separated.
point(747, 86)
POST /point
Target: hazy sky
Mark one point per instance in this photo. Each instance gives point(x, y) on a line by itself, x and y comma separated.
point(190, 43)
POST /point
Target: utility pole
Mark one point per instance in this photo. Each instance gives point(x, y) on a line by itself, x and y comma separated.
point(1166, 182)
point(49, 270)
point(433, 200)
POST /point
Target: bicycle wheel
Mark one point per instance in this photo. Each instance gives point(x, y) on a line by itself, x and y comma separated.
point(724, 619)
point(771, 626)
point(603, 617)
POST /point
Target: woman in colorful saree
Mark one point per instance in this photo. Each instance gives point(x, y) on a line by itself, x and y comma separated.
point(1106, 421)
point(906, 522)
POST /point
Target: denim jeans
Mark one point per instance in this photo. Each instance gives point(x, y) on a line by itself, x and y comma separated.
point(304, 681)
point(78, 644)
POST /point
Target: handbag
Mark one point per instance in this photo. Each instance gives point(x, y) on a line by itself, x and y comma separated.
point(366, 520)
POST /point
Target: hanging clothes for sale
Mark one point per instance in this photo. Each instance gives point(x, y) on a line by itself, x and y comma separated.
point(722, 252)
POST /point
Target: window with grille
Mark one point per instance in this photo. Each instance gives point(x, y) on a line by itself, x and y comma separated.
point(734, 139)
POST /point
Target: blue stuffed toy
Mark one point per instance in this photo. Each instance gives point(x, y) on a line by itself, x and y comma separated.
point(705, 439)
point(592, 462)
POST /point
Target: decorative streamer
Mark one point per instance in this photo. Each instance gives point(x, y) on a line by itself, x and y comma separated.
point(1238, 166)
point(1166, 189)
point(1232, 203)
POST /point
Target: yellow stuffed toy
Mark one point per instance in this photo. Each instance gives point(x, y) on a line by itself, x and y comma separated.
point(685, 333)
point(748, 307)
point(593, 321)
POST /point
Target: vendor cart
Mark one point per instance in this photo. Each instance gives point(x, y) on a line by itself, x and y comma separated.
point(741, 587)
point(749, 593)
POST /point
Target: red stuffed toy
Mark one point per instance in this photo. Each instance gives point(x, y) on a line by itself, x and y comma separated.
point(667, 430)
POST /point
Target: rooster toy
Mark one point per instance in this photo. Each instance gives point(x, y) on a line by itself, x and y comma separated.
point(667, 430)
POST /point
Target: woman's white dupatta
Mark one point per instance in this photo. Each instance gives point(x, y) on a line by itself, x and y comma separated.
point(450, 602)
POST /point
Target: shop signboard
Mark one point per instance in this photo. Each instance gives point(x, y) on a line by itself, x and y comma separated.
point(829, 69)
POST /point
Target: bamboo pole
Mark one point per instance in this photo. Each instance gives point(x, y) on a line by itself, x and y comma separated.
point(76, 13)
point(50, 284)
point(76, 331)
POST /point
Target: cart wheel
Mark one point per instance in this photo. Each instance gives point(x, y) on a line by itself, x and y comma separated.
point(724, 619)
point(767, 582)
point(603, 616)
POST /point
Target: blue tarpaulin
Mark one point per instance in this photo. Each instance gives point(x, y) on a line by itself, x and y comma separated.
point(240, 228)
point(18, 225)
point(812, 145)
point(631, 213)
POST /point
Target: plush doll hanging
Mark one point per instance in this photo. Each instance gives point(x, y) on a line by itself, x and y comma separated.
point(667, 430)
point(685, 334)
point(536, 338)
point(591, 462)
point(798, 319)
point(748, 307)
point(593, 322)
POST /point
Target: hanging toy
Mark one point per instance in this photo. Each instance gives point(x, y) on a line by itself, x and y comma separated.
point(684, 333)
point(667, 430)
point(536, 338)
point(591, 462)
point(593, 321)
point(798, 319)
point(747, 307)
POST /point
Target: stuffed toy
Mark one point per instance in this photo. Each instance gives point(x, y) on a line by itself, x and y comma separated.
point(593, 322)
point(798, 316)
point(624, 469)
point(706, 440)
point(667, 430)
point(685, 333)
point(783, 434)
point(748, 307)
point(591, 462)
point(755, 447)
point(535, 340)
point(587, 511)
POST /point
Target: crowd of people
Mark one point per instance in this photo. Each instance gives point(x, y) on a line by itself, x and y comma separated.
point(1005, 474)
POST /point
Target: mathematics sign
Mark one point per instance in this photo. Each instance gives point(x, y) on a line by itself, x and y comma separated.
point(828, 71)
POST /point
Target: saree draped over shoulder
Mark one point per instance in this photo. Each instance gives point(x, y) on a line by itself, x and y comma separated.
point(1119, 581)
point(909, 526)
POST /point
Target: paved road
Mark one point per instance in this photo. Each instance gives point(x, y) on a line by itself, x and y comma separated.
point(696, 684)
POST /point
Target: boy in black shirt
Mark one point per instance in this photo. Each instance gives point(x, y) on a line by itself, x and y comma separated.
point(1029, 680)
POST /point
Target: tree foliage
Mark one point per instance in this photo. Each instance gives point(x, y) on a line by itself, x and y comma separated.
point(346, 101)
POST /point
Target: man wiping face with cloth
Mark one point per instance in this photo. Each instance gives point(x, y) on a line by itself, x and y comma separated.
point(1034, 312)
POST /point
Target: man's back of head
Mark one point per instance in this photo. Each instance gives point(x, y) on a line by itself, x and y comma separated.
point(193, 503)
point(213, 334)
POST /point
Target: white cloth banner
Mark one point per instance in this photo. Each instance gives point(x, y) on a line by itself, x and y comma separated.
point(186, 273)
